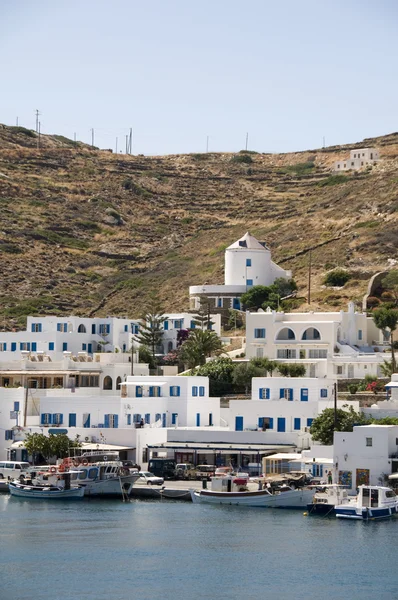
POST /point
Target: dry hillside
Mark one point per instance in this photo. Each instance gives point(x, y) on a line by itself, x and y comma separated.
point(84, 231)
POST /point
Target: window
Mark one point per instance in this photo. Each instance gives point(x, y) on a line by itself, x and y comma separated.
point(24, 346)
point(16, 406)
point(340, 370)
point(104, 329)
point(81, 329)
point(286, 393)
point(311, 334)
point(174, 390)
point(248, 262)
point(13, 346)
point(309, 422)
point(107, 385)
point(158, 417)
point(89, 381)
point(58, 419)
point(360, 334)
point(45, 419)
point(304, 395)
point(201, 390)
point(62, 327)
point(50, 346)
point(166, 325)
point(126, 328)
point(174, 417)
point(286, 334)
point(8, 434)
point(286, 353)
point(64, 346)
point(192, 325)
point(128, 419)
point(352, 164)
point(36, 327)
point(324, 393)
point(84, 347)
point(93, 328)
point(219, 302)
point(264, 393)
point(317, 353)
point(154, 391)
point(136, 418)
point(138, 391)
point(197, 419)
point(369, 441)
point(242, 243)
point(147, 418)
point(297, 424)
point(249, 282)
point(3, 346)
point(194, 390)
point(259, 333)
point(178, 323)
point(72, 419)
point(112, 421)
point(302, 354)
point(86, 420)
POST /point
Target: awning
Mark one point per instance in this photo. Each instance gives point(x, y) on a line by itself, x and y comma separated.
point(393, 476)
point(392, 384)
point(286, 456)
point(139, 383)
point(220, 447)
point(324, 461)
point(94, 446)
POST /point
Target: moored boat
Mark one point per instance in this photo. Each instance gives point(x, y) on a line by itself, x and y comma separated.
point(235, 491)
point(45, 492)
point(326, 498)
point(372, 502)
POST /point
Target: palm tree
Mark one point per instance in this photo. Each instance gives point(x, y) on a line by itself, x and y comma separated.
point(200, 345)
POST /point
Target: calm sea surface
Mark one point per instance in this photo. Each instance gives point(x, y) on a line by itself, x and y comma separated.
point(107, 550)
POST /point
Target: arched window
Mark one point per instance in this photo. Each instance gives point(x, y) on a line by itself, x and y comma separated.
point(311, 334)
point(81, 329)
point(107, 383)
point(286, 334)
point(118, 382)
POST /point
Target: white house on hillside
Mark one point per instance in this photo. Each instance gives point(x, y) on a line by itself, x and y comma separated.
point(359, 158)
point(345, 345)
point(247, 263)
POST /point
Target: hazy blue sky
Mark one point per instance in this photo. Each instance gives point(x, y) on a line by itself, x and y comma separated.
point(288, 72)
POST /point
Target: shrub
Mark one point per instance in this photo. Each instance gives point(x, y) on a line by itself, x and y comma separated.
point(337, 278)
point(23, 130)
point(353, 388)
point(242, 158)
point(333, 180)
point(372, 301)
point(299, 169)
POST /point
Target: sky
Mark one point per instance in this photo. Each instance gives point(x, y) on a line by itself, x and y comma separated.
point(190, 75)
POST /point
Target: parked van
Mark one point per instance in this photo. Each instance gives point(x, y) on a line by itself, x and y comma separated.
point(205, 471)
point(11, 469)
point(185, 471)
point(163, 467)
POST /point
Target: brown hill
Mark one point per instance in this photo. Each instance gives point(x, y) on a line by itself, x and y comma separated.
point(84, 231)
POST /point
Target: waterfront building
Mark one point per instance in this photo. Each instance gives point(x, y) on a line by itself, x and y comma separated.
point(342, 345)
point(247, 263)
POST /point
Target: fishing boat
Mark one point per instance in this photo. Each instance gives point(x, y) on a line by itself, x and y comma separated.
point(235, 491)
point(326, 498)
point(372, 502)
point(34, 490)
point(99, 474)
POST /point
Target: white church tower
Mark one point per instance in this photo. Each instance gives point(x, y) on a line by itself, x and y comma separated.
point(247, 263)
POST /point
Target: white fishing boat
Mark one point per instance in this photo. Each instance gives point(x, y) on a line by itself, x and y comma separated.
point(45, 492)
point(326, 498)
point(235, 491)
point(372, 502)
point(97, 473)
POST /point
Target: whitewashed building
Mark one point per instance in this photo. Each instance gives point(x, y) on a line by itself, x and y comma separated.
point(359, 158)
point(367, 455)
point(341, 345)
point(176, 322)
point(247, 263)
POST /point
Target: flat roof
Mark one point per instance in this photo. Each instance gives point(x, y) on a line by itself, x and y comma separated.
point(286, 456)
point(220, 446)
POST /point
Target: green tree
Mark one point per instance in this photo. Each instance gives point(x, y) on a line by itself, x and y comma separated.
point(145, 356)
point(337, 278)
point(53, 445)
point(386, 368)
point(151, 331)
point(291, 370)
point(390, 282)
point(200, 345)
point(202, 318)
point(323, 426)
point(386, 319)
point(284, 287)
point(219, 371)
point(254, 298)
point(262, 296)
point(243, 374)
point(269, 366)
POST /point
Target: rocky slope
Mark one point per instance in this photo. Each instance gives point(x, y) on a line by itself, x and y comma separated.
point(85, 231)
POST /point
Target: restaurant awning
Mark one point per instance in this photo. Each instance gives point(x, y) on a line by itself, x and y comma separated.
point(220, 447)
point(94, 446)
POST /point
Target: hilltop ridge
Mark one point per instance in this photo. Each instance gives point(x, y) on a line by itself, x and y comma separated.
point(85, 231)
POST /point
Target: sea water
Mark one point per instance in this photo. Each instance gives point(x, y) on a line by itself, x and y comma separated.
point(151, 550)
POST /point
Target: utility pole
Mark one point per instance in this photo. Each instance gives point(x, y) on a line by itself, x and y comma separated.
point(126, 144)
point(131, 141)
point(17, 121)
point(38, 136)
point(323, 140)
point(74, 137)
point(247, 140)
point(207, 144)
point(335, 407)
point(116, 147)
point(37, 120)
point(309, 278)
point(92, 136)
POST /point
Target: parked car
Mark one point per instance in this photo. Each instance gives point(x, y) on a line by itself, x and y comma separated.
point(205, 471)
point(163, 467)
point(149, 478)
point(223, 471)
point(129, 464)
point(185, 471)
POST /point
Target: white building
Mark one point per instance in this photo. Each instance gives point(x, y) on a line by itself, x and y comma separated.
point(345, 345)
point(176, 322)
point(359, 158)
point(367, 455)
point(247, 263)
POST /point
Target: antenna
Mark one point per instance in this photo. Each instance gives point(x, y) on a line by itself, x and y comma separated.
point(37, 120)
point(323, 140)
point(116, 147)
point(17, 121)
point(92, 136)
point(207, 144)
point(247, 140)
point(74, 136)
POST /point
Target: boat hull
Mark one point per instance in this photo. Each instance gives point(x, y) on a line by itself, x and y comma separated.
point(261, 498)
point(38, 493)
point(320, 509)
point(109, 487)
point(364, 514)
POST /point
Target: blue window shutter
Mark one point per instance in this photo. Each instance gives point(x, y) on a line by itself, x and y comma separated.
point(171, 390)
point(138, 391)
point(16, 406)
point(5, 346)
point(90, 348)
point(72, 419)
point(93, 328)
point(166, 325)
point(271, 423)
point(108, 328)
point(34, 346)
point(194, 391)
point(304, 395)
point(13, 346)
point(147, 418)
point(28, 346)
point(281, 393)
point(290, 394)
point(173, 418)
point(116, 421)
point(297, 424)
point(309, 422)
point(64, 346)
point(126, 328)
point(51, 345)
point(128, 419)
point(58, 326)
point(84, 346)
point(151, 391)
point(164, 420)
point(192, 325)
point(324, 393)
point(267, 393)
point(197, 419)
point(158, 416)
point(106, 420)
point(43, 419)
point(178, 390)
point(33, 327)
point(60, 418)
point(260, 421)
point(261, 393)
point(201, 390)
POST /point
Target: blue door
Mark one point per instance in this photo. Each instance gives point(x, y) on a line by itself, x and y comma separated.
point(90, 348)
point(236, 304)
point(304, 395)
point(238, 423)
point(281, 424)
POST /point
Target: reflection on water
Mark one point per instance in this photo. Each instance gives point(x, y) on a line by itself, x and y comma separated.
point(108, 550)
